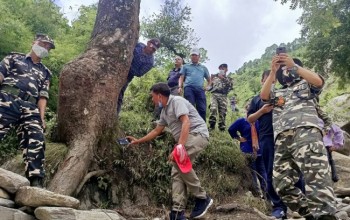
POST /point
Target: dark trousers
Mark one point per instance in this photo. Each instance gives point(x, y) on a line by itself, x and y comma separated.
point(121, 97)
point(268, 153)
point(196, 96)
point(259, 173)
point(26, 118)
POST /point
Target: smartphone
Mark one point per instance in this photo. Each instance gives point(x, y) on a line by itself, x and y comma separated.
point(123, 141)
point(281, 50)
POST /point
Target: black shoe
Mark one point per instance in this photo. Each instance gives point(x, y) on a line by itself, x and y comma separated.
point(177, 215)
point(305, 212)
point(36, 181)
point(327, 217)
point(201, 207)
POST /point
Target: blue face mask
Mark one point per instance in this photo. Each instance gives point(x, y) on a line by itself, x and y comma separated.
point(160, 104)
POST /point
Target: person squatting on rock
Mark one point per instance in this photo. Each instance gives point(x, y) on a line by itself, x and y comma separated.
point(142, 62)
point(24, 92)
point(247, 135)
point(192, 78)
point(191, 133)
point(299, 147)
point(220, 86)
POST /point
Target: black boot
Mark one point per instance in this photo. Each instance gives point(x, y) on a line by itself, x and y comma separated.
point(36, 181)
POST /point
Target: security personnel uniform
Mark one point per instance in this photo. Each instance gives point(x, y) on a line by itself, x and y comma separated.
point(23, 83)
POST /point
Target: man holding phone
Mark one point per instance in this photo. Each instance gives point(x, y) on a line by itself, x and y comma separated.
point(190, 132)
point(299, 147)
point(262, 112)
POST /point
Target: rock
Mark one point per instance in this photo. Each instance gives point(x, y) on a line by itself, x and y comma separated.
point(58, 213)
point(342, 192)
point(346, 209)
point(346, 200)
point(35, 197)
point(11, 182)
point(14, 214)
point(4, 194)
point(7, 203)
point(112, 215)
point(131, 210)
point(338, 109)
point(346, 149)
point(342, 163)
point(342, 215)
point(51, 213)
point(262, 215)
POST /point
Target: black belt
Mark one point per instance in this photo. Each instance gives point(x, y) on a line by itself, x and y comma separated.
point(19, 93)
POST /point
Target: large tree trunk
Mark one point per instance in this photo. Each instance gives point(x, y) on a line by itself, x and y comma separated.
point(89, 87)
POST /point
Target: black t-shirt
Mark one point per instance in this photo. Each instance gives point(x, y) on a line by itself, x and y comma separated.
point(265, 121)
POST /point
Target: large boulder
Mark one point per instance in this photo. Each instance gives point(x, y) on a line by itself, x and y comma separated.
point(338, 109)
point(35, 197)
point(11, 182)
point(342, 165)
point(14, 214)
point(51, 213)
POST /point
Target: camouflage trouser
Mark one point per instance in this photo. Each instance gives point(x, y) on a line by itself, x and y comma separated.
point(218, 103)
point(25, 117)
point(298, 151)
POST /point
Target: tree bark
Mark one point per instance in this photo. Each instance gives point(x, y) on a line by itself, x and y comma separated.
point(89, 87)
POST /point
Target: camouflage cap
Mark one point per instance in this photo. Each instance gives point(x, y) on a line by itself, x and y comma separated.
point(45, 38)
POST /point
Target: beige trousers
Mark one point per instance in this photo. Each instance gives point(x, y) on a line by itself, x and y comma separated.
point(182, 183)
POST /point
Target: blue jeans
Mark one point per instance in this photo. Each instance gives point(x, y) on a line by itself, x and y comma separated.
point(267, 144)
point(258, 166)
point(196, 96)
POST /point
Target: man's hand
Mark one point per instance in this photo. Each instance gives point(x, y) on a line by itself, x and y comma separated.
point(132, 140)
point(286, 60)
point(275, 64)
point(179, 90)
point(266, 108)
point(242, 139)
point(171, 157)
point(43, 123)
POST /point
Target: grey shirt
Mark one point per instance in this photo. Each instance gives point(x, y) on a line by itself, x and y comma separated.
point(176, 107)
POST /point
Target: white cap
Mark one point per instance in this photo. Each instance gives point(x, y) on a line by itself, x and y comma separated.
point(195, 51)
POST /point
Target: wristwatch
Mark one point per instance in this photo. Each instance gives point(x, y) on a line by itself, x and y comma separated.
point(295, 67)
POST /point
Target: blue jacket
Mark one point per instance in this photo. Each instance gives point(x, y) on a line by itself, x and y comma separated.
point(242, 127)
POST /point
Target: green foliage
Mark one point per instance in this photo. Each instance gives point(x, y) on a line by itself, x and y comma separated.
point(247, 78)
point(8, 146)
point(171, 26)
point(326, 25)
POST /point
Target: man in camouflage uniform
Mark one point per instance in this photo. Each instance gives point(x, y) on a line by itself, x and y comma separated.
point(221, 86)
point(24, 90)
point(299, 147)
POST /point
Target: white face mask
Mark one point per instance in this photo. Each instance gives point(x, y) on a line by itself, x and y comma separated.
point(222, 72)
point(40, 51)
